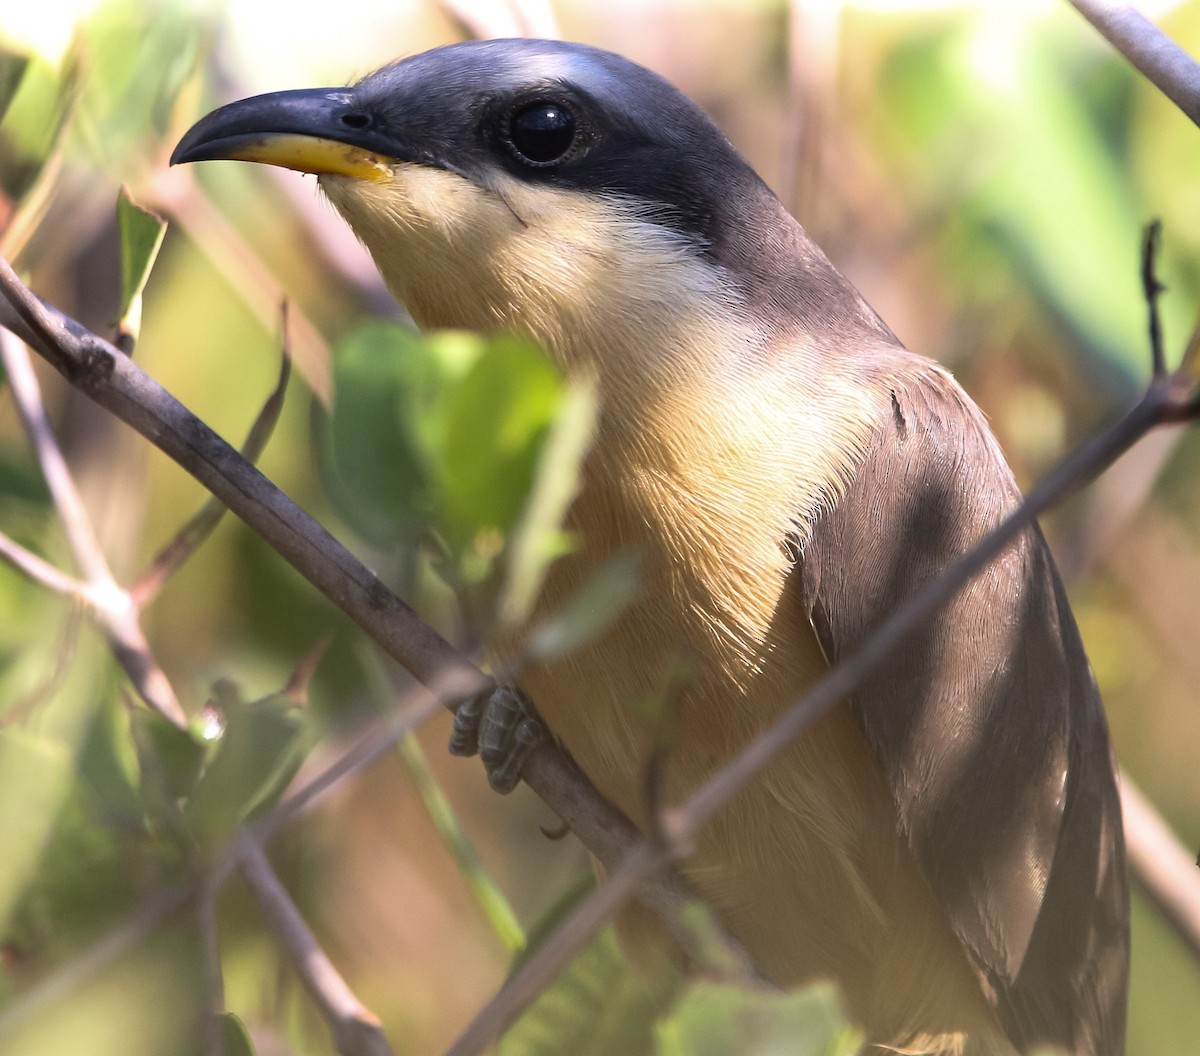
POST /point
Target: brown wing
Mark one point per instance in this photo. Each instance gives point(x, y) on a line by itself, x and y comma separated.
point(988, 722)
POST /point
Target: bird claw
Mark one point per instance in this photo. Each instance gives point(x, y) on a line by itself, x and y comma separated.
point(502, 726)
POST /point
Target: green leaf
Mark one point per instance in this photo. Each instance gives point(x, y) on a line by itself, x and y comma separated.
point(35, 118)
point(138, 56)
point(141, 232)
point(262, 747)
point(538, 538)
point(12, 69)
point(495, 419)
point(596, 1007)
point(389, 388)
point(591, 611)
point(726, 1020)
point(235, 1039)
point(179, 754)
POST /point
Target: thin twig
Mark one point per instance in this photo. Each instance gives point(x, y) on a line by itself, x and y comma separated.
point(1164, 871)
point(596, 910)
point(77, 525)
point(1152, 291)
point(1165, 400)
point(356, 1030)
point(41, 571)
point(112, 606)
point(117, 383)
point(205, 520)
point(374, 742)
point(1158, 58)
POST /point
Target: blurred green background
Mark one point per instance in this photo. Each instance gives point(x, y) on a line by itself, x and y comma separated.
point(982, 172)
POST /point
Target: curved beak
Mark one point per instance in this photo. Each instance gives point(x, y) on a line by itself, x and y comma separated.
point(317, 130)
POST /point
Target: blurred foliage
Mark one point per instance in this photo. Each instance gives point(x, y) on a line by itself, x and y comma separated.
point(985, 182)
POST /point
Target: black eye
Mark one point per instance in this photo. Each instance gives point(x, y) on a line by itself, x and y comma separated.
point(542, 133)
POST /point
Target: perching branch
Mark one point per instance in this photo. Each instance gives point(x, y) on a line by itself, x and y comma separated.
point(1169, 398)
point(1155, 55)
point(98, 369)
point(112, 380)
point(357, 1032)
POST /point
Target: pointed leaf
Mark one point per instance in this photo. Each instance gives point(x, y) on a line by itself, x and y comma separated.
point(378, 463)
point(538, 538)
point(494, 421)
point(141, 233)
point(258, 754)
point(179, 754)
point(235, 1039)
point(12, 69)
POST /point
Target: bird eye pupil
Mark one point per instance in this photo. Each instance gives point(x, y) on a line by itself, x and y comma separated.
point(542, 133)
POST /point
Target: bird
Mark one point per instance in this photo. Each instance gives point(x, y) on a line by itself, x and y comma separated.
point(946, 843)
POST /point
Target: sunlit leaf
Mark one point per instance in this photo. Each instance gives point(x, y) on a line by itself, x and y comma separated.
point(538, 538)
point(494, 420)
point(377, 465)
point(262, 747)
point(35, 116)
point(141, 232)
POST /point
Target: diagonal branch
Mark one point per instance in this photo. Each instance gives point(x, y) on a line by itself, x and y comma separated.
point(97, 368)
point(40, 570)
point(1155, 55)
point(1164, 871)
point(112, 606)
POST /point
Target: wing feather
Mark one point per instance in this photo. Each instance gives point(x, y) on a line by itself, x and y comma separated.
point(988, 723)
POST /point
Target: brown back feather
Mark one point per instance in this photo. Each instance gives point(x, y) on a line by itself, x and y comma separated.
point(988, 723)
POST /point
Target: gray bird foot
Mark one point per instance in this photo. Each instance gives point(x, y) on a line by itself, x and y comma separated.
point(502, 726)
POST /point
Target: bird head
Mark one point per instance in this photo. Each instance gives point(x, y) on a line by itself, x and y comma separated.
point(551, 189)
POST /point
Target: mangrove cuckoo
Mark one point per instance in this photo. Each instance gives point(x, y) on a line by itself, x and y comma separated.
point(946, 843)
